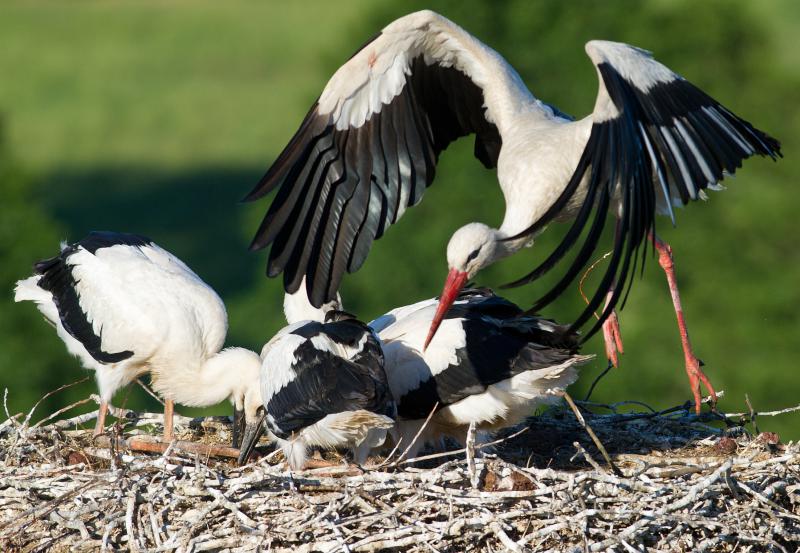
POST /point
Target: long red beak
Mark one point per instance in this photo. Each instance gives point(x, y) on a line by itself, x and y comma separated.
point(452, 286)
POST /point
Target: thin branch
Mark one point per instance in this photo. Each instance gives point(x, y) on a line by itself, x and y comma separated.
point(597, 380)
point(417, 435)
point(61, 412)
point(150, 446)
point(591, 433)
point(149, 391)
point(49, 394)
point(586, 275)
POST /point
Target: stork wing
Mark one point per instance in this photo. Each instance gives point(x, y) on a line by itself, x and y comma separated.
point(497, 345)
point(58, 278)
point(326, 384)
point(655, 139)
point(368, 147)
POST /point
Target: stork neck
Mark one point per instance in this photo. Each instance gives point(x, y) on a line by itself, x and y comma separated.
point(504, 247)
point(220, 377)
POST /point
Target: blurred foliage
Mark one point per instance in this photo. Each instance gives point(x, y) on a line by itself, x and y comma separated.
point(32, 357)
point(156, 118)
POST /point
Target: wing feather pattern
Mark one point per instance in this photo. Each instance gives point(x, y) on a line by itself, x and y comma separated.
point(325, 383)
point(653, 134)
point(57, 278)
point(500, 343)
point(368, 148)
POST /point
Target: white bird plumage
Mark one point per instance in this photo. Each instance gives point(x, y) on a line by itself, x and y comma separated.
point(489, 366)
point(323, 385)
point(125, 307)
point(368, 149)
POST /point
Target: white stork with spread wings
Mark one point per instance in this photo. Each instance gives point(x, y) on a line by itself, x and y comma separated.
point(368, 149)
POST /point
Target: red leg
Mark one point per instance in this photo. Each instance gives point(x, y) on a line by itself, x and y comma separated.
point(169, 410)
point(696, 375)
point(99, 428)
point(612, 335)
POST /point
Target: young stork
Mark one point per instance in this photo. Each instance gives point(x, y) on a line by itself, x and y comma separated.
point(323, 384)
point(368, 149)
point(124, 307)
point(491, 365)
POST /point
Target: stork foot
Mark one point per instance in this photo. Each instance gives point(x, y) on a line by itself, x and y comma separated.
point(696, 377)
point(613, 339)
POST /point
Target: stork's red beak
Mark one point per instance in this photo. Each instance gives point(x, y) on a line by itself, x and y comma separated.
point(452, 286)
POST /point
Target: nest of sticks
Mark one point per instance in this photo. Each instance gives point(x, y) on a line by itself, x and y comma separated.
point(676, 482)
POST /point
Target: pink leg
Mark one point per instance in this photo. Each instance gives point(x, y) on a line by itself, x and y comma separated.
point(169, 410)
point(612, 335)
point(696, 375)
point(99, 428)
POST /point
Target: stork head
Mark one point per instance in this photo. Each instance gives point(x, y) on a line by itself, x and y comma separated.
point(471, 248)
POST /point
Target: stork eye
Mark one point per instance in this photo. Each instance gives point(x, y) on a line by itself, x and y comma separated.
point(473, 255)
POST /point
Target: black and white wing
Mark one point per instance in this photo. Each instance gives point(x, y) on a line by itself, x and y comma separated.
point(107, 289)
point(484, 339)
point(656, 140)
point(368, 147)
point(58, 277)
point(315, 379)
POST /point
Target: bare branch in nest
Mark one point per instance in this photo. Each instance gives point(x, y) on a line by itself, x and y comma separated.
point(49, 394)
point(599, 377)
point(417, 435)
point(62, 411)
point(765, 413)
point(149, 391)
point(154, 446)
point(591, 433)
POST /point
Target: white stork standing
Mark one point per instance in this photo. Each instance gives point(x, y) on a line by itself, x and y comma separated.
point(124, 307)
point(368, 149)
point(491, 365)
point(323, 384)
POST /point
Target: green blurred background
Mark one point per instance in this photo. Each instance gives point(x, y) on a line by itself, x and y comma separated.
point(157, 117)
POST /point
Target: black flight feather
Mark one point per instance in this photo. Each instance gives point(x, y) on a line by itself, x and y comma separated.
point(670, 137)
point(338, 190)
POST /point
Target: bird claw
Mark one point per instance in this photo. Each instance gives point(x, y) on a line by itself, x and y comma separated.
point(613, 339)
point(696, 377)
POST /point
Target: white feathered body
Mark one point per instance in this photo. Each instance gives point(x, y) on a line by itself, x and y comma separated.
point(329, 373)
point(652, 140)
point(143, 300)
point(502, 403)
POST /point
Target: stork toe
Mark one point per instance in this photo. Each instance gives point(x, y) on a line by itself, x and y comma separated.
point(696, 377)
point(613, 339)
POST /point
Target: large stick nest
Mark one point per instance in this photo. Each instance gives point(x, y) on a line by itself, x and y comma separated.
point(681, 484)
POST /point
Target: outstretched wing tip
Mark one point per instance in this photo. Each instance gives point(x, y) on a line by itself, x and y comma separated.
point(651, 127)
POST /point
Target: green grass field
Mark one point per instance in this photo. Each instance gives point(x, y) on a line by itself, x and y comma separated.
point(157, 117)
